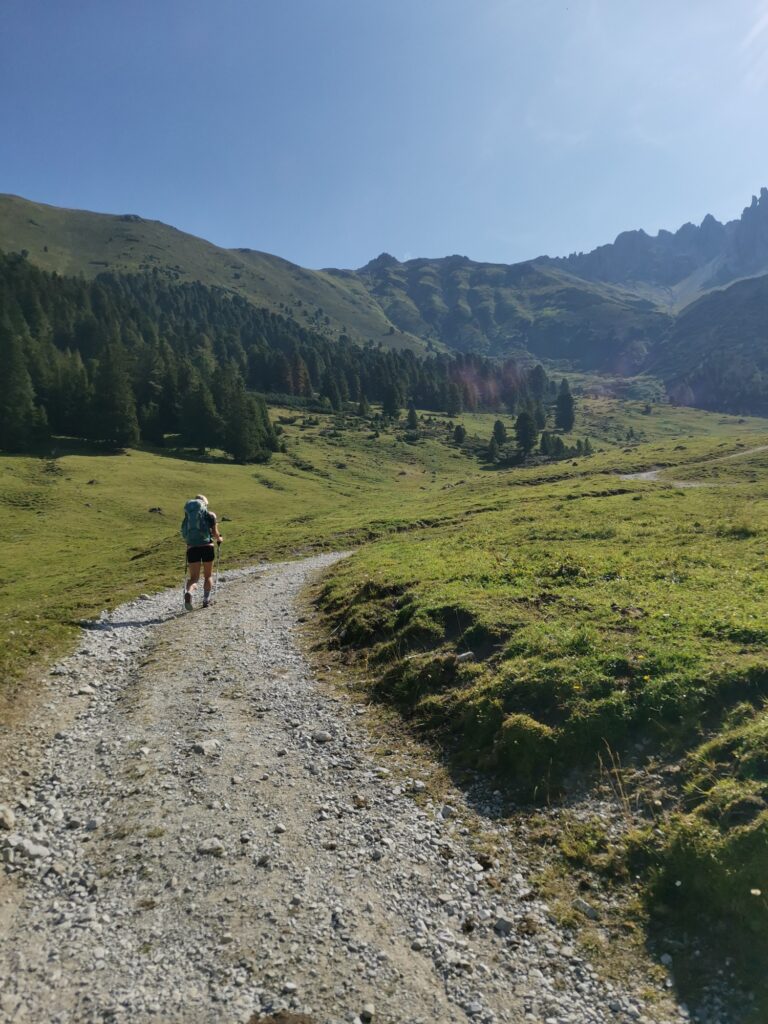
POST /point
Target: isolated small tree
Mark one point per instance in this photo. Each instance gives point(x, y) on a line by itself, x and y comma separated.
point(565, 409)
point(412, 422)
point(525, 432)
point(459, 433)
point(588, 449)
point(493, 449)
point(500, 432)
point(363, 408)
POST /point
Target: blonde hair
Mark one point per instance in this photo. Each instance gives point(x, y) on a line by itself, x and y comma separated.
point(202, 497)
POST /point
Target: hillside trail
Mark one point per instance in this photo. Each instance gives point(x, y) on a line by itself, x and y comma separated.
point(655, 474)
point(211, 836)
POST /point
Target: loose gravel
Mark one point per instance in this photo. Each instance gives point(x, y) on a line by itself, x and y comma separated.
point(213, 838)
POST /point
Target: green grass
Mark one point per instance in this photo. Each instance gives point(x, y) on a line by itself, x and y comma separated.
point(83, 537)
point(601, 612)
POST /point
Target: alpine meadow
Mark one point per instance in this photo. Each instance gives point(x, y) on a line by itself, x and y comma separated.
point(472, 723)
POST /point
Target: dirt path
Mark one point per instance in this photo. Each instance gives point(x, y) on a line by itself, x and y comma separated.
point(213, 839)
point(655, 474)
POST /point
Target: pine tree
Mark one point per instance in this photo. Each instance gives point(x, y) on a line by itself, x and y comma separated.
point(459, 433)
point(525, 432)
point(500, 432)
point(565, 414)
point(245, 430)
point(21, 421)
point(537, 382)
point(453, 403)
point(113, 413)
point(391, 400)
point(493, 449)
point(363, 407)
point(412, 422)
point(201, 425)
point(330, 390)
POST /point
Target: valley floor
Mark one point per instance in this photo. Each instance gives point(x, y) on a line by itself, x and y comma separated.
point(210, 834)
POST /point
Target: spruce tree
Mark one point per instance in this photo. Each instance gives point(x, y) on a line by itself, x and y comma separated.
point(21, 422)
point(493, 449)
point(412, 422)
point(565, 414)
point(248, 434)
point(453, 403)
point(500, 432)
point(113, 414)
point(525, 432)
point(459, 433)
point(201, 425)
point(391, 400)
point(537, 382)
point(330, 390)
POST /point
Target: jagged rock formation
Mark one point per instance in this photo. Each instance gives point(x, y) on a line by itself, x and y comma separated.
point(690, 259)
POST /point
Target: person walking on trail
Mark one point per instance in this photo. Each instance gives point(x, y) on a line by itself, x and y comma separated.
point(200, 530)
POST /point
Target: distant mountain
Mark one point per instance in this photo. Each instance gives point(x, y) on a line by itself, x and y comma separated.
point(658, 304)
point(675, 268)
point(716, 354)
point(529, 308)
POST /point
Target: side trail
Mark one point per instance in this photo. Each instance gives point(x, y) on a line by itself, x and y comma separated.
point(212, 839)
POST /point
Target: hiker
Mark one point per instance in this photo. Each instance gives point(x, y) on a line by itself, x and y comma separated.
point(199, 529)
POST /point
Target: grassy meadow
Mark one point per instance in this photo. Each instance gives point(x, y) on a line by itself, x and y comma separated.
point(603, 617)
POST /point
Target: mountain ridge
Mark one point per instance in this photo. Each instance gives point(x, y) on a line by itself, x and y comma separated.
point(691, 259)
point(620, 309)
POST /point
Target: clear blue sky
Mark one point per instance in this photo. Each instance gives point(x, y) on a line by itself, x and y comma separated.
point(327, 131)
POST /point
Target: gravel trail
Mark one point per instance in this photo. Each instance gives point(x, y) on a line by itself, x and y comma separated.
point(212, 839)
point(655, 475)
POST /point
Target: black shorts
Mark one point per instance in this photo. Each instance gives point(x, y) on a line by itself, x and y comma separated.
point(201, 553)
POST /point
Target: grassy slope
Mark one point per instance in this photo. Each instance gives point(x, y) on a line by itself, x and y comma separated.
point(599, 609)
point(80, 242)
point(84, 538)
point(602, 613)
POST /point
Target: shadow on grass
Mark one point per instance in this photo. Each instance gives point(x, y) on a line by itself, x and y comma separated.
point(58, 447)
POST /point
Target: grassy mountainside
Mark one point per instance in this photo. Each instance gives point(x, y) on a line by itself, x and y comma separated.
point(73, 242)
point(526, 307)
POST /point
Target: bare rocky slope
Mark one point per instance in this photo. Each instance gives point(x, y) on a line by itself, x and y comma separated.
point(211, 835)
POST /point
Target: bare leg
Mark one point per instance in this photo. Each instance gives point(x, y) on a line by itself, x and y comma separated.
point(207, 570)
point(194, 576)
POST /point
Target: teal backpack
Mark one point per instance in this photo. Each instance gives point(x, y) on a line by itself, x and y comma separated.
point(196, 527)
